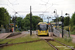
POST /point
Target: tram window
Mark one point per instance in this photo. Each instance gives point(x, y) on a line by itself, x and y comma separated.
point(43, 27)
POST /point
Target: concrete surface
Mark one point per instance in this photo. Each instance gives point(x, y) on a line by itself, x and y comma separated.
point(4, 35)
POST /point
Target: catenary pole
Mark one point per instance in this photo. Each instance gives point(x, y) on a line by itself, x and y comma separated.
point(30, 22)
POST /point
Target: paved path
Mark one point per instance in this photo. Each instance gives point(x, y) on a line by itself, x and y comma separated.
point(4, 35)
point(45, 37)
point(73, 40)
point(17, 36)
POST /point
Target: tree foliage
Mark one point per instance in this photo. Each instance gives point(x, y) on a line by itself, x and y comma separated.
point(57, 19)
point(4, 16)
point(73, 20)
point(66, 21)
point(26, 22)
point(14, 19)
point(19, 21)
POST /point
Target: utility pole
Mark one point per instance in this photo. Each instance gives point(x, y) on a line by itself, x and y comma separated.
point(30, 22)
point(62, 26)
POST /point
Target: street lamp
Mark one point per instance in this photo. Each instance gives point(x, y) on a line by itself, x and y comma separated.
point(9, 23)
point(48, 23)
point(68, 22)
point(55, 11)
point(62, 19)
point(15, 21)
point(48, 19)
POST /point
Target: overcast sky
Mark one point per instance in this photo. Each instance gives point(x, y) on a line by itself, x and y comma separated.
point(23, 6)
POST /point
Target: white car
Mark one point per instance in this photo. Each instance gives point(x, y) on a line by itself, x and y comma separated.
point(28, 30)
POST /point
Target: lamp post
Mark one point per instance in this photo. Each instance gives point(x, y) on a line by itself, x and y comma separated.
point(62, 25)
point(68, 22)
point(48, 19)
point(55, 11)
point(9, 23)
point(48, 23)
point(15, 22)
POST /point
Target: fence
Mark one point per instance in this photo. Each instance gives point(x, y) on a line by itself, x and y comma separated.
point(58, 31)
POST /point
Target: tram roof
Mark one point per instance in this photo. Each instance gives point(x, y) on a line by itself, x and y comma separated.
point(42, 23)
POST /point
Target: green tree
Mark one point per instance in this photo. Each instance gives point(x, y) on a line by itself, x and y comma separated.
point(58, 19)
point(18, 21)
point(35, 21)
point(26, 22)
point(14, 19)
point(4, 16)
point(66, 21)
point(73, 20)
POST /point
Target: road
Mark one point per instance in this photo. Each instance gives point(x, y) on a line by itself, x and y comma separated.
point(27, 32)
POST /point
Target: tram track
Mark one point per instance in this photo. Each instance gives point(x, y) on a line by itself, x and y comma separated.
point(65, 45)
point(47, 41)
point(6, 44)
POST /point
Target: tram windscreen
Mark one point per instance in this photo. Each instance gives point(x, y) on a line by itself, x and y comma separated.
point(43, 27)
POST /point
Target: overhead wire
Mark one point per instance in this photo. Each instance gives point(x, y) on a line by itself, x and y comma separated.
point(12, 3)
point(47, 8)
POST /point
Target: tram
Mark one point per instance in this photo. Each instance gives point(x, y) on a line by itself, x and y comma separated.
point(42, 28)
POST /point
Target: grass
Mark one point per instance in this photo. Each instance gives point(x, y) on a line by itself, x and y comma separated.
point(24, 39)
point(65, 42)
point(5, 40)
point(40, 45)
point(59, 46)
point(20, 39)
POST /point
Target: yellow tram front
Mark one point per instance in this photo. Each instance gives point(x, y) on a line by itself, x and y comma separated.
point(42, 28)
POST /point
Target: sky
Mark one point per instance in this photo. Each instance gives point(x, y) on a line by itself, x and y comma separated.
point(45, 7)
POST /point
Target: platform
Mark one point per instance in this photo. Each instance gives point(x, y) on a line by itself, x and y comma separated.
point(4, 35)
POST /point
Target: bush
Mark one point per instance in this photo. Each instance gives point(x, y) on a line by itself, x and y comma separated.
point(68, 39)
point(73, 32)
point(73, 28)
point(66, 28)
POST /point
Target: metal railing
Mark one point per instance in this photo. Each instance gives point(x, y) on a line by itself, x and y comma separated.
point(58, 31)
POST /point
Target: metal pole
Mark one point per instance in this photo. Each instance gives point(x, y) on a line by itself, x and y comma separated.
point(14, 24)
point(56, 17)
point(48, 19)
point(68, 22)
point(62, 26)
point(30, 22)
point(9, 25)
point(62, 30)
point(69, 26)
point(56, 22)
